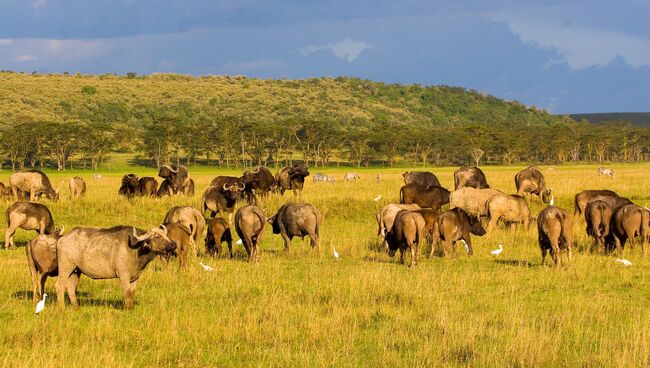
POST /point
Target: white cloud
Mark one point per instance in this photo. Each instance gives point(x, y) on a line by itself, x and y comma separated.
point(25, 58)
point(346, 49)
point(580, 46)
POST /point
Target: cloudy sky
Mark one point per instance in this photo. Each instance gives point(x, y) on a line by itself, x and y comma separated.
point(563, 56)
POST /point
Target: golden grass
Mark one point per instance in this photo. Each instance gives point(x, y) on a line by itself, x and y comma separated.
point(308, 309)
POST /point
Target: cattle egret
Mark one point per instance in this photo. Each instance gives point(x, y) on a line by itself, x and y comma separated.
point(552, 201)
point(335, 253)
point(465, 245)
point(624, 262)
point(238, 241)
point(377, 198)
point(496, 252)
point(206, 267)
point(40, 305)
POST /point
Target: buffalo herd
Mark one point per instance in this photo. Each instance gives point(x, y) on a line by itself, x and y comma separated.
point(426, 212)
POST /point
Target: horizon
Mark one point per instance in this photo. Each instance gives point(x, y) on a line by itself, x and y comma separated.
point(566, 58)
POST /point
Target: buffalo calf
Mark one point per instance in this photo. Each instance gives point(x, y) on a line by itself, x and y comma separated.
point(218, 232)
point(454, 225)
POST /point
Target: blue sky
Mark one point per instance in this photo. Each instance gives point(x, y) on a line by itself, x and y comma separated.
point(563, 56)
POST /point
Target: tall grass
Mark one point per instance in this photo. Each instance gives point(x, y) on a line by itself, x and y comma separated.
point(306, 308)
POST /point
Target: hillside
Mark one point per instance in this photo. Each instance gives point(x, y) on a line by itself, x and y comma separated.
point(635, 118)
point(63, 97)
point(221, 120)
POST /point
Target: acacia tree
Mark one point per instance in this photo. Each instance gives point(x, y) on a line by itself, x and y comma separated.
point(63, 141)
point(15, 145)
point(98, 140)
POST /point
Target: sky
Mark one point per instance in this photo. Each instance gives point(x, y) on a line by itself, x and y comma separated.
point(562, 56)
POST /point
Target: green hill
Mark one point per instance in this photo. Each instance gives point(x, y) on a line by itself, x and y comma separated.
point(224, 120)
point(635, 118)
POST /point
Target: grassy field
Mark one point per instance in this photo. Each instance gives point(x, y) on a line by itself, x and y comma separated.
point(308, 309)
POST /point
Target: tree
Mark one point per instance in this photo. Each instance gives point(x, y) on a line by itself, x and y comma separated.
point(63, 141)
point(98, 140)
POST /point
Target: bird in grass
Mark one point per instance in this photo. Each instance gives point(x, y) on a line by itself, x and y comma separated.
point(465, 245)
point(335, 253)
point(552, 201)
point(40, 305)
point(377, 198)
point(624, 262)
point(238, 241)
point(206, 267)
point(496, 252)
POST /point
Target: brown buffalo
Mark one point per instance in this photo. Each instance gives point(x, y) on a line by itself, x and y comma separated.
point(249, 224)
point(583, 198)
point(27, 216)
point(218, 232)
point(386, 217)
point(192, 219)
point(406, 234)
point(432, 197)
point(181, 235)
point(509, 209)
point(147, 186)
point(130, 186)
point(77, 187)
point(470, 177)
point(222, 199)
point(422, 178)
point(42, 261)
point(598, 215)
point(628, 222)
point(531, 180)
point(454, 225)
point(555, 233)
point(291, 178)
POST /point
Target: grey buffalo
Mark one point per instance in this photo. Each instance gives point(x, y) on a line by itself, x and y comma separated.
point(300, 220)
point(555, 233)
point(177, 178)
point(77, 187)
point(292, 178)
point(628, 222)
point(33, 182)
point(42, 261)
point(470, 177)
point(121, 252)
point(249, 224)
point(531, 180)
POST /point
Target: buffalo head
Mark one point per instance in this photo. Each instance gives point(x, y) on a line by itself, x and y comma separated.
point(155, 240)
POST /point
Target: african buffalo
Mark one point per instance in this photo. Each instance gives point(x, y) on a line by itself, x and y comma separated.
point(192, 219)
point(177, 177)
point(218, 232)
point(406, 234)
point(386, 217)
point(292, 178)
point(583, 198)
point(422, 178)
point(509, 209)
point(531, 180)
point(454, 225)
point(120, 252)
point(164, 189)
point(628, 222)
point(130, 186)
point(147, 186)
point(181, 235)
point(598, 215)
point(555, 233)
point(221, 199)
point(473, 201)
point(470, 177)
point(249, 224)
point(42, 261)
point(297, 219)
point(33, 182)
point(432, 197)
point(259, 180)
point(77, 187)
point(27, 216)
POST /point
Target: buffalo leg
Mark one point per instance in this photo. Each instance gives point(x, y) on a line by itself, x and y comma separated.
point(492, 224)
point(229, 247)
point(314, 240)
point(555, 252)
point(41, 285)
point(287, 240)
point(544, 251)
point(401, 255)
point(71, 288)
point(414, 253)
point(128, 292)
point(34, 275)
point(9, 237)
point(60, 290)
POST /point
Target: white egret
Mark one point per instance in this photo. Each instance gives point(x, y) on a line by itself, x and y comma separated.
point(624, 262)
point(40, 305)
point(335, 253)
point(206, 267)
point(377, 198)
point(496, 252)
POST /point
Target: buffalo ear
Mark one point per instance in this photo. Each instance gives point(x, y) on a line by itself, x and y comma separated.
point(134, 243)
point(187, 230)
point(271, 219)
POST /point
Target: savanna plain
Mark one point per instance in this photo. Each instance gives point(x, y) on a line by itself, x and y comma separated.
point(306, 308)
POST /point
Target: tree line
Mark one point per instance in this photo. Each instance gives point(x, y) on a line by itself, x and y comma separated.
point(321, 122)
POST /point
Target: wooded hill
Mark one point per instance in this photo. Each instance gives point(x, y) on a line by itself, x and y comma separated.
point(224, 120)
